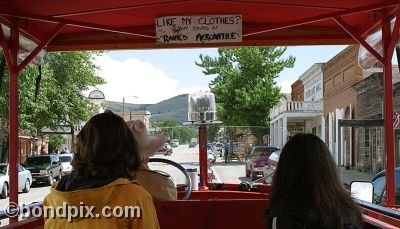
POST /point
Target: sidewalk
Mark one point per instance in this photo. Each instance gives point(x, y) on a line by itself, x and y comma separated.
point(353, 175)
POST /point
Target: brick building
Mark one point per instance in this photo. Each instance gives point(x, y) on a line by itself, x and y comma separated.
point(340, 74)
point(297, 91)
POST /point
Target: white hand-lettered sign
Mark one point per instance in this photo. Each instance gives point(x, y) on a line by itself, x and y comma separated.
point(199, 29)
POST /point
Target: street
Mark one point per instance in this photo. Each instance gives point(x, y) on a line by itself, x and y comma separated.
point(37, 193)
point(233, 172)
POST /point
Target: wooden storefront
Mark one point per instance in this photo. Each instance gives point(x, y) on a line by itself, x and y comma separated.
point(369, 140)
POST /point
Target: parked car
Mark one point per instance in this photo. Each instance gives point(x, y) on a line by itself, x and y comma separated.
point(211, 156)
point(174, 143)
point(24, 180)
point(210, 146)
point(166, 150)
point(270, 166)
point(273, 159)
point(66, 160)
point(379, 182)
point(219, 147)
point(238, 152)
point(257, 159)
point(192, 144)
point(44, 168)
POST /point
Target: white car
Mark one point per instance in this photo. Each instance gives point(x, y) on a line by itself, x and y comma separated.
point(175, 143)
point(270, 166)
point(66, 160)
point(24, 180)
point(211, 157)
point(273, 159)
point(219, 146)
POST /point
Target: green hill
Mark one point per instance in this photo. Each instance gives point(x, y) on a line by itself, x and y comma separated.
point(175, 108)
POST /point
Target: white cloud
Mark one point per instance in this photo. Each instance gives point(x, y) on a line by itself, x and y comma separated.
point(286, 85)
point(133, 77)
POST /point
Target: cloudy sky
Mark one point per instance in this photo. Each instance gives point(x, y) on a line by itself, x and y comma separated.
point(150, 76)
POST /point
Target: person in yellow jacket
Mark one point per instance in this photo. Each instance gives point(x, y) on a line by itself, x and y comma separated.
point(101, 191)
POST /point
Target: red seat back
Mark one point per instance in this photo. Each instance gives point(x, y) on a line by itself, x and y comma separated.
point(212, 214)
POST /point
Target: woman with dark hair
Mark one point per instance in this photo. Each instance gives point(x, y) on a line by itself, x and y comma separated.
point(307, 192)
point(104, 165)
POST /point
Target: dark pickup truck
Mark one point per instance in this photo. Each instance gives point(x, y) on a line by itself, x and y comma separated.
point(44, 168)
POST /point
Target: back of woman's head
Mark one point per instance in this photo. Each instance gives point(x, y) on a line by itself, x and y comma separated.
point(306, 171)
point(106, 148)
point(304, 164)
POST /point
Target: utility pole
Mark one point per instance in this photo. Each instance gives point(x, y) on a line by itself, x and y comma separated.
point(123, 108)
point(123, 104)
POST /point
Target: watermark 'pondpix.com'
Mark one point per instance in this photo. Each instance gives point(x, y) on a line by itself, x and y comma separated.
point(70, 213)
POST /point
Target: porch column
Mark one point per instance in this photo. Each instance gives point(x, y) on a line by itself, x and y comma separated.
point(323, 128)
point(284, 130)
point(332, 136)
point(280, 126)
point(271, 133)
point(276, 133)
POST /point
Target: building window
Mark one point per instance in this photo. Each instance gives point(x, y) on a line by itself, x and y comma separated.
point(363, 158)
point(366, 138)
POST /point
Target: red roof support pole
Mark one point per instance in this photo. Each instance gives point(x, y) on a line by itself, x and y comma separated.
point(5, 46)
point(203, 156)
point(40, 47)
point(388, 109)
point(358, 38)
point(13, 117)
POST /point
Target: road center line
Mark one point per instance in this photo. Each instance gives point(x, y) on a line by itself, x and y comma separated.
point(216, 175)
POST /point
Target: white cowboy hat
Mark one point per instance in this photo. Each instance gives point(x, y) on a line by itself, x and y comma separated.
point(148, 144)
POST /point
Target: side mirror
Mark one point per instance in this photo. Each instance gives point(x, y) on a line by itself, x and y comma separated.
point(362, 190)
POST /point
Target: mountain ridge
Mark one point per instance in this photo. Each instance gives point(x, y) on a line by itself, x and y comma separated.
point(175, 108)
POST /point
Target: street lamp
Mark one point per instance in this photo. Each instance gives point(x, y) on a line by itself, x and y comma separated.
point(123, 104)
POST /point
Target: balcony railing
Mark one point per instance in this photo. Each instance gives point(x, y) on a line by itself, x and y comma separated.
point(297, 106)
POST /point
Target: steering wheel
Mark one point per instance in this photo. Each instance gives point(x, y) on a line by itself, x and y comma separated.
point(188, 182)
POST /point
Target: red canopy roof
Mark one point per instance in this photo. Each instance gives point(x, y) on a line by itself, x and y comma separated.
point(127, 24)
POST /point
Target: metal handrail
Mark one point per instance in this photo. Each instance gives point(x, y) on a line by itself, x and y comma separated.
point(4, 214)
point(378, 208)
point(262, 179)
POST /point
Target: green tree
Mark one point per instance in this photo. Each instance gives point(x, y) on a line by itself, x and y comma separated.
point(167, 128)
point(245, 86)
point(212, 133)
point(65, 76)
point(171, 129)
point(55, 142)
point(185, 134)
